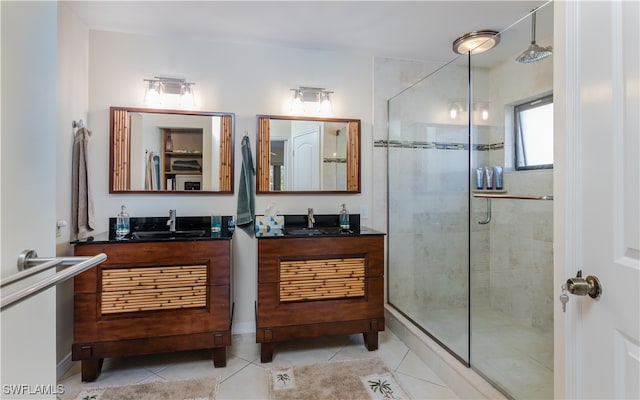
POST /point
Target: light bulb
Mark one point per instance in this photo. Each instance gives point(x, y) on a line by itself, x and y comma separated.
point(187, 96)
point(453, 112)
point(326, 105)
point(297, 103)
point(153, 94)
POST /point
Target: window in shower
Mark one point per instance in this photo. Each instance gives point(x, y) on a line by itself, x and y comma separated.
point(534, 133)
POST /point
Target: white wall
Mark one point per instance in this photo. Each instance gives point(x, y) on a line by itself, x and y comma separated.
point(72, 105)
point(28, 182)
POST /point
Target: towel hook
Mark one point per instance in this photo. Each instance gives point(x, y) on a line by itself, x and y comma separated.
point(77, 124)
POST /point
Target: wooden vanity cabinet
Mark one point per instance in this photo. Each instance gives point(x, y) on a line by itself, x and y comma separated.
point(152, 297)
point(319, 286)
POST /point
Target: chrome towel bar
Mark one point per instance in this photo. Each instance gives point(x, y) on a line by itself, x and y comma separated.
point(503, 195)
point(28, 258)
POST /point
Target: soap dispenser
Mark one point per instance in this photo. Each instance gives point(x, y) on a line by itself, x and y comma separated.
point(344, 218)
point(122, 223)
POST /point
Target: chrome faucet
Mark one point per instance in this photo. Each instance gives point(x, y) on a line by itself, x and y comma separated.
point(171, 222)
point(310, 219)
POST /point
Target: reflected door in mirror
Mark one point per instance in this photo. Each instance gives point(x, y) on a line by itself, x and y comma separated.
point(298, 154)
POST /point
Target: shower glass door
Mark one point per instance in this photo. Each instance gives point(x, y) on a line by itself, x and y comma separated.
point(429, 160)
point(512, 255)
point(474, 270)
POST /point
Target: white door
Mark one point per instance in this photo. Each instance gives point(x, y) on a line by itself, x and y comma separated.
point(27, 193)
point(599, 340)
point(306, 159)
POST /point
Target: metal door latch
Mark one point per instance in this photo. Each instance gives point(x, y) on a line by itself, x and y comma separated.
point(584, 286)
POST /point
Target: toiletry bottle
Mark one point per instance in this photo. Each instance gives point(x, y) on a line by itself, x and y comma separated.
point(122, 223)
point(480, 178)
point(498, 177)
point(168, 146)
point(489, 175)
point(344, 218)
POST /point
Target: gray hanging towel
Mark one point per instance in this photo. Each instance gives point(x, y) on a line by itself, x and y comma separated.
point(82, 213)
point(246, 195)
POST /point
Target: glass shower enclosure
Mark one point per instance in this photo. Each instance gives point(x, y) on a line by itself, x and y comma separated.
point(473, 268)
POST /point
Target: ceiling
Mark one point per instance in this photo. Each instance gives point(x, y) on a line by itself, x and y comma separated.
point(418, 30)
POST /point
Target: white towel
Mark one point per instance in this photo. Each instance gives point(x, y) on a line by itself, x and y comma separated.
point(82, 213)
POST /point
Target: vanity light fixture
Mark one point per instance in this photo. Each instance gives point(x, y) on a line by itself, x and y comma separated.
point(476, 42)
point(160, 86)
point(305, 94)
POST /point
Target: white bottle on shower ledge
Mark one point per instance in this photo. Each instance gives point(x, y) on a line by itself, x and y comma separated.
point(489, 177)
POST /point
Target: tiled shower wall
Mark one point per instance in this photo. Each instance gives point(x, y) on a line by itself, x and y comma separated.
point(512, 256)
point(521, 251)
point(430, 185)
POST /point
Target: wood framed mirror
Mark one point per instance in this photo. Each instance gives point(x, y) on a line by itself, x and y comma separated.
point(307, 155)
point(170, 151)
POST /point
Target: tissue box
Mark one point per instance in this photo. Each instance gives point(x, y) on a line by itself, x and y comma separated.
point(269, 223)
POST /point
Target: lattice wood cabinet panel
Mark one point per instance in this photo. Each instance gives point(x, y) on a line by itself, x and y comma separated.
point(323, 279)
point(153, 288)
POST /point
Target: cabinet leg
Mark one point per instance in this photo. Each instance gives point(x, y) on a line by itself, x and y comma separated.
point(220, 357)
point(266, 352)
point(91, 369)
point(371, 340)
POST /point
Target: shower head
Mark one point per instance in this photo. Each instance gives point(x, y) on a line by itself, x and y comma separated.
point(534, 52)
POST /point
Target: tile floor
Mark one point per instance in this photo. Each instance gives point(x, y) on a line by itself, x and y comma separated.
point(244, 376)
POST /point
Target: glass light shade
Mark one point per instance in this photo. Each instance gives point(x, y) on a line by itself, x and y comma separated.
point(187, 96)
point(476, 42)
point(326, 105)
point(297, 102)
point(153, 94)
point(453, 113)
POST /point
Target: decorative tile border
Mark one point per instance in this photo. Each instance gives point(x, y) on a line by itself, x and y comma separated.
point(407, 144)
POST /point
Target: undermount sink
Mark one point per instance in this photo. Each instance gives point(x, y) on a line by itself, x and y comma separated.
point(168, 235)
point(301, 231)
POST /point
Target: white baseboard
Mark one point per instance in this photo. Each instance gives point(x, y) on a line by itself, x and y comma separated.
point(63, 366)
point(243, 327)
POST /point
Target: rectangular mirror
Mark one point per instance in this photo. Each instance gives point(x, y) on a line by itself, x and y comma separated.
point(307, 155)
point(170, 151)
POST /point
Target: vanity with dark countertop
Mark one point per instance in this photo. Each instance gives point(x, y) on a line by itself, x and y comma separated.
point(160, 293)
point(319, 281)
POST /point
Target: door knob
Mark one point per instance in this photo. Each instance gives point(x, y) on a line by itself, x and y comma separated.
point(584, 286)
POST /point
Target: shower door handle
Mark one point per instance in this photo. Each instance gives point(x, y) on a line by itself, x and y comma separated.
point(584, 286)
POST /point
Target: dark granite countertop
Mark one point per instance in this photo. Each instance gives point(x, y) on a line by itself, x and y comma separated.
point(326, 225)
point(159, 224)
